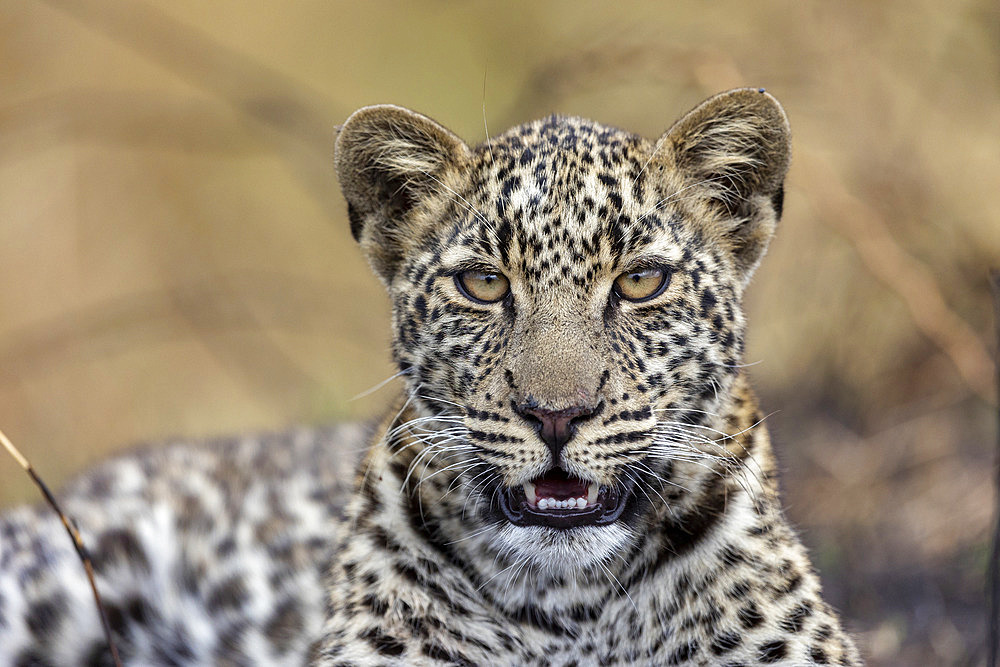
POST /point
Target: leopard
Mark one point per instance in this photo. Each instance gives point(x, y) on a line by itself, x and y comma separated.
point(575, 472)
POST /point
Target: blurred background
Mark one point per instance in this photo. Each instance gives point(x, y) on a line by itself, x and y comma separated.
point(175, 258)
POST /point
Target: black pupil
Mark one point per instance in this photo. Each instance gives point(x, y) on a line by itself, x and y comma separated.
point(637, 277)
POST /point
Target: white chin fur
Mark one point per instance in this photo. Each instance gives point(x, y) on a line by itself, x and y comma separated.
point(562, 551)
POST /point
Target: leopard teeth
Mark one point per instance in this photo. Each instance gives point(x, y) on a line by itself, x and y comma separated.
point(551, 503)
point(566, 504)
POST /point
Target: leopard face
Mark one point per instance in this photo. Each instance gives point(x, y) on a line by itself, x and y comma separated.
point(566, 312)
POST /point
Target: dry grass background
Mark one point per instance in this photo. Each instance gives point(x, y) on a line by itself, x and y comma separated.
point(174, 254)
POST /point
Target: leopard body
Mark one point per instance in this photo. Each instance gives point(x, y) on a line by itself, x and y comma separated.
point(566, 316)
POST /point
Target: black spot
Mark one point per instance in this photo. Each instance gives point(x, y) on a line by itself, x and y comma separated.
point(793, 582)
point(283, 627)
point(119, 546)
point(772, 651)
point(818, 655)
point(226, 547)
point(384, 643)
point(750, 616)
point(739, 590)
point(231, 594)
point(231, 640)
point(99, 655)
point(796, 618)
point(724, 642)
point(438, 652)
point(377, 605)
point(140, 612)
point(732, 555)
point(684, 653)
point(43, 617)
point(708, 302)
point(31, 658)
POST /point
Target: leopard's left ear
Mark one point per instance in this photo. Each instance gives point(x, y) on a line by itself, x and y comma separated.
point(735, 147)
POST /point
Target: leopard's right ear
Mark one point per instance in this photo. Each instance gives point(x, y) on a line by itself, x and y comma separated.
point(389, 161)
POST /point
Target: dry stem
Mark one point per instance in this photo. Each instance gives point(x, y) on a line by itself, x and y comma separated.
point(74, 535)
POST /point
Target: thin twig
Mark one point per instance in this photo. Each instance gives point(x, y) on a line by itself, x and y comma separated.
point(993, 573)
point(74, 535)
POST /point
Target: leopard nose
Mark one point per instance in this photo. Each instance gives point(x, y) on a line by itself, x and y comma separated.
point(556, 427)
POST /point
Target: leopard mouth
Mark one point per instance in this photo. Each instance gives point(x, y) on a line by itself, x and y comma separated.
point(557, 500)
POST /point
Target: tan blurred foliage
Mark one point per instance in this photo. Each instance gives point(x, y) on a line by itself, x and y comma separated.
point(174, 254)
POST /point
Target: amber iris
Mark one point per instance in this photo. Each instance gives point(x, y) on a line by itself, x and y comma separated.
point(482, 286)
point(641, 284)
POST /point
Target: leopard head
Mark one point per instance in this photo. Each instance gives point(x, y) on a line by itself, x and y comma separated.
point(566, 311)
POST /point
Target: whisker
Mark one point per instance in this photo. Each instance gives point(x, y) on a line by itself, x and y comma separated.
point(372, 390)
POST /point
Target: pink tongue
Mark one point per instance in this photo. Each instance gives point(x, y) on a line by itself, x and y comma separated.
point(554, 485)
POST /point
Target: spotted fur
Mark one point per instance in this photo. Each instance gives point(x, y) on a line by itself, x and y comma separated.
point(246, 553)
point(206, 554)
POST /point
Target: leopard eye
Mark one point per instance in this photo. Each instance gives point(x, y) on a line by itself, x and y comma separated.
point(482, 286)
point(641, 284)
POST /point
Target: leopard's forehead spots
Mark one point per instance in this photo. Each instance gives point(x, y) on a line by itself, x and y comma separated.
point(562, 201)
